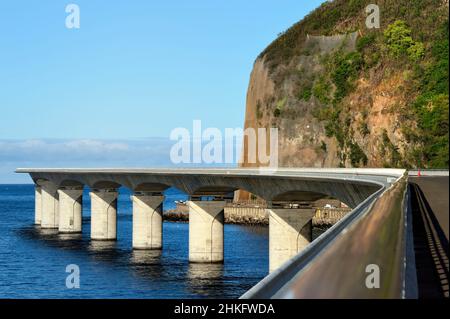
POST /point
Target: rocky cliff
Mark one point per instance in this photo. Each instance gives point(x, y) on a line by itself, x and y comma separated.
point(343, 95)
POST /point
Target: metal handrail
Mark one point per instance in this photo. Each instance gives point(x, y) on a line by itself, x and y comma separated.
point(335, 264)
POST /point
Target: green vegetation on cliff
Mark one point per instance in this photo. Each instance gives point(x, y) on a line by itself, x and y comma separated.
point(431, 105)
point(408, 56)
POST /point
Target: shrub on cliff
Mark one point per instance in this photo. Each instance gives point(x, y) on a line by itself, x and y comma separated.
point(400, 42)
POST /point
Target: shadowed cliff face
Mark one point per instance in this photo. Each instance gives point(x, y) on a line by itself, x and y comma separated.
point(261, 88)
point(365, 98)
point(300, 133)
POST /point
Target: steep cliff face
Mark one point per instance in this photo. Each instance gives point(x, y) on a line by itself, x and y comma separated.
point(342, 95)
point(261, 88)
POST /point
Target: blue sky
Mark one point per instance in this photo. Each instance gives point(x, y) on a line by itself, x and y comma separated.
point(134, 71)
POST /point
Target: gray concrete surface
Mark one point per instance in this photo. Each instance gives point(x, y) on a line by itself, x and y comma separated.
point(37, 204)
point(351, 186)
point(147, 221)
point(70, 210)
point(436, 191)
point(104, 214)
point(206, 220)
point(50, 205)
point(290, 231)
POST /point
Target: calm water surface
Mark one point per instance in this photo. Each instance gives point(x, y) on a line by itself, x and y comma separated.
point(33, 261)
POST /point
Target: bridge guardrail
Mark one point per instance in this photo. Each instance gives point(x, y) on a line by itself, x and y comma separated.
point(376, 235)
point(428, 172)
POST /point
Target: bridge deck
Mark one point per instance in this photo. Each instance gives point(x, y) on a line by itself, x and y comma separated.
point(431, 228)
point(435, 189)
point(351, 186)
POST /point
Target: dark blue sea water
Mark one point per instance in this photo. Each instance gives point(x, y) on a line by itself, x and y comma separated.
point(33, 262)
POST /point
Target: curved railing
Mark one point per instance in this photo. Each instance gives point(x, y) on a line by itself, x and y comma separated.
point(363, 256)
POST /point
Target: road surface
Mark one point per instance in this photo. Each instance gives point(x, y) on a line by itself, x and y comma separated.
point(431, 228)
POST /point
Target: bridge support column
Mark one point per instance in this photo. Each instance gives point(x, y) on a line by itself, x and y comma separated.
point(70, 210)
point(104, 214)
point(50, 205)
point(206, 231)
point(290, 231)
point(147, 221)
point(37, 204)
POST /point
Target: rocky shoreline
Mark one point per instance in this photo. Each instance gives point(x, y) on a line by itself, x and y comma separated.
point(319, 227)
point(175, 216)
point(183, 217)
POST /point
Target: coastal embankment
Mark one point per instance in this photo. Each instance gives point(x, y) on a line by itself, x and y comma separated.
point(255, 213)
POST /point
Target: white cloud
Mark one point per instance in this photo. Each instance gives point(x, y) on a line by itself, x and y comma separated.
point(152, 152)
point(84, 150)
point(40, 153)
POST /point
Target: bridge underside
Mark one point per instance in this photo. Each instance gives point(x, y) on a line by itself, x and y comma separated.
point(352, 190)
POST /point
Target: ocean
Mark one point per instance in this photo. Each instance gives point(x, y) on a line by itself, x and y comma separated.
point(33, 261)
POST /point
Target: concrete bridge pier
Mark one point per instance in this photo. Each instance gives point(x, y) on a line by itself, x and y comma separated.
point(70, 209)
point(290, 231)
point(37, 204)
point(147, 220)
point(50, 205)
point(104, 214)
point(206, 220)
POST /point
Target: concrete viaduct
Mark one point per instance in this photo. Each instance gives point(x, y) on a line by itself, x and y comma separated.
point(289, 193)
